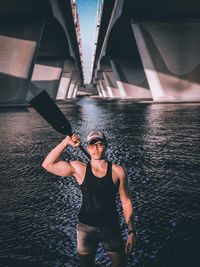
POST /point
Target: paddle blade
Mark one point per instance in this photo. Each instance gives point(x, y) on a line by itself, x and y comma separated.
point(48, 109)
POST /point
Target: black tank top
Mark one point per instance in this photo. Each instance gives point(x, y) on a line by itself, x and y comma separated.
point(98, 202)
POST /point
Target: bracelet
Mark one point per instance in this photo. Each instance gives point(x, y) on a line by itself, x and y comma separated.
point(132, 231)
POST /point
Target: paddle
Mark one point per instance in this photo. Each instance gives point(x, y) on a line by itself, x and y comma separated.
point(48, 109)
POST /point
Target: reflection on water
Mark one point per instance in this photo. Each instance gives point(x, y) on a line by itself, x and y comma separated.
point(158, 145)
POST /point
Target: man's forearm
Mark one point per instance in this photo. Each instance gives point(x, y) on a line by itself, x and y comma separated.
point(55, 153)
point(129, 216)
point(131, 223)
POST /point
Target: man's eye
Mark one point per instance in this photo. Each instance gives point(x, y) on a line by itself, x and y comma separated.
point(100, 144)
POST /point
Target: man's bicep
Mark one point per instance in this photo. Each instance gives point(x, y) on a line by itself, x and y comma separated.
point(123, 187)
point(62, 168)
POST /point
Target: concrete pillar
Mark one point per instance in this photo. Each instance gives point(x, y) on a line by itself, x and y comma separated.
point(47, 75)
point(151, 74)
point(170, 55)
point(108, 84)
point(132, 78)
point(120, 84)
point(64, 85)
point(75, 91)
point(103, 88)
point(71, 88)
point(99, 89)
point(18, 49)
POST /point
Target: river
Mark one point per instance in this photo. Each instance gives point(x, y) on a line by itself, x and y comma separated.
point(157, 144)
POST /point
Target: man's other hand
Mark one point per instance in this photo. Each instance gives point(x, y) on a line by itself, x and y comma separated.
point(130, 243)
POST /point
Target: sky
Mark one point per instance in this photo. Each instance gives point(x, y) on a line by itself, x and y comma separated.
point(87, 10)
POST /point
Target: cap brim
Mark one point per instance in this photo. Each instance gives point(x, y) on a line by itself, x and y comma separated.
point(96, 139)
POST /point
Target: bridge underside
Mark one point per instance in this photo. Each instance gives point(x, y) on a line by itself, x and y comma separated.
point(149, 50)
point(145, 50)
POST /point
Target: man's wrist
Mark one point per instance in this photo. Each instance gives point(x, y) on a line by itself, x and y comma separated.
point(132, 232)
point(66, 142)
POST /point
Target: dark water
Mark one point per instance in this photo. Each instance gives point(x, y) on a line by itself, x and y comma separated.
point(158, 145)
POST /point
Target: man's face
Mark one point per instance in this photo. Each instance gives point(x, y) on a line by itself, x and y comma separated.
point(97, 150)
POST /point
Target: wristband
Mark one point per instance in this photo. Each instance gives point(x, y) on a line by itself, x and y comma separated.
point(132, 231)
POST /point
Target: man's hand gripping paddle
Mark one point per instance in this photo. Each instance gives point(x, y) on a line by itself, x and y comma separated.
point(48, 109)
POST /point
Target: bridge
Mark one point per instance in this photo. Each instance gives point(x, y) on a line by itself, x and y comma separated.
point(144, 50)
point(148, 50)
point(38, 50)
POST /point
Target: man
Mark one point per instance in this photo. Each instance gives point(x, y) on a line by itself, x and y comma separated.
point(99, 181)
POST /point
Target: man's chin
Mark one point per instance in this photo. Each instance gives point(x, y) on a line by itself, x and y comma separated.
point(97, 157)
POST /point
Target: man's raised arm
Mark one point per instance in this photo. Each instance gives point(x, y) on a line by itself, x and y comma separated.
point(52, 161)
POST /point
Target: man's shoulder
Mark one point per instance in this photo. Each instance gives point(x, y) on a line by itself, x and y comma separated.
point(117, 167)
point(119, 170)
point(77, 164)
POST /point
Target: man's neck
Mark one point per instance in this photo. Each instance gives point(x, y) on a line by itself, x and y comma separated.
point(98, 163)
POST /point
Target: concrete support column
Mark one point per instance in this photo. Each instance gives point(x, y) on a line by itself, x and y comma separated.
point(71, 88)
point(120, 84)
point(149, 68)
point(108, 84)
point(18, 49)
point(102, 86)
point(75, 91)
point(170, 56)
point(47, 75)
point(64, 85)
point(99, 89)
